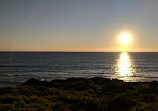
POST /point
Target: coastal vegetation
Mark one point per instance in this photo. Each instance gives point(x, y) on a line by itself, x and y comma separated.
point(80, 94)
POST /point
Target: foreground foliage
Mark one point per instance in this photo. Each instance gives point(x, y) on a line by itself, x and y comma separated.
point(95, 94)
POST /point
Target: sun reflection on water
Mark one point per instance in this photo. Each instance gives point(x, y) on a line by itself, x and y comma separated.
point(124, 70)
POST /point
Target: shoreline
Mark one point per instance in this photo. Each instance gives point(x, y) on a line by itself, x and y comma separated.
point(12, 84)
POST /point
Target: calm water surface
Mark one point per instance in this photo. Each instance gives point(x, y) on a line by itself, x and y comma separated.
point(17, 67)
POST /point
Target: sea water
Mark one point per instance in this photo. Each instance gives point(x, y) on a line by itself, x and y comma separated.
point(17, 67)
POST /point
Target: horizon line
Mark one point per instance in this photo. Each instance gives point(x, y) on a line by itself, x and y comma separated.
point(79, 51)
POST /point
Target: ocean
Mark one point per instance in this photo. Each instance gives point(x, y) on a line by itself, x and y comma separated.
point(17, 67)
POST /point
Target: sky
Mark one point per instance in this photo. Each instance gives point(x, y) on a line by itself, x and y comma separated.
point(78, 25)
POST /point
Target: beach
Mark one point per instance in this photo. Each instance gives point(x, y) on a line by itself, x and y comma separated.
point(78, 55)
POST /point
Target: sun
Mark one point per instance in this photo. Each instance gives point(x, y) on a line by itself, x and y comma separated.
point(124, 38)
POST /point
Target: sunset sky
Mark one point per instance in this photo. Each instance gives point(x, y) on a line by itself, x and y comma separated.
point(78, 25)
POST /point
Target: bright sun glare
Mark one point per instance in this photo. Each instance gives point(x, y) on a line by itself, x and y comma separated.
point(124, 38)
